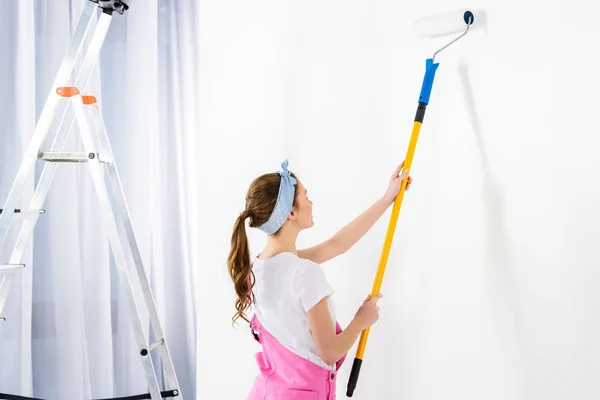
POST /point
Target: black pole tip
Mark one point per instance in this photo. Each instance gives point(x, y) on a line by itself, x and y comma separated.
point(353, 377)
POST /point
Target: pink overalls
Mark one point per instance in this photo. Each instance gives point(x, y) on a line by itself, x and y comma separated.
point(285, 375)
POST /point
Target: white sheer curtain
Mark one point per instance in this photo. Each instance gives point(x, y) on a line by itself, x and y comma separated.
point(67, 333)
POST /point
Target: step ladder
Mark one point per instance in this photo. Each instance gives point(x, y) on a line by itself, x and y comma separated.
point(99, 157)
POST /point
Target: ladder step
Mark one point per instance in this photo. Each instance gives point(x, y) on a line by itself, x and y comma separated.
point(52, 156)
point(159, 342)
point(7, 268)
point(19, 211)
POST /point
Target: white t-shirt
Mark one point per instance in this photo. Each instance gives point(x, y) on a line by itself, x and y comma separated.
point(286, 288)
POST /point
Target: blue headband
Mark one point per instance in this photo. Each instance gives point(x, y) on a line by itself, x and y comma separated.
point(285, 200)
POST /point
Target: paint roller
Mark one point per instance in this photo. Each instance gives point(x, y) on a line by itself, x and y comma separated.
point(429, 27)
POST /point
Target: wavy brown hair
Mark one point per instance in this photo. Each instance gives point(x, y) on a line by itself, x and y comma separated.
point(260, 202)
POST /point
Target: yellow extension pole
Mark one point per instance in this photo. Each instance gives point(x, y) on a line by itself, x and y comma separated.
point(387, 244)
point(389, 236)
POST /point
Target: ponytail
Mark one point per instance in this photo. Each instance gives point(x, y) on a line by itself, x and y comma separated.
point(261, 200)
point(240, 268)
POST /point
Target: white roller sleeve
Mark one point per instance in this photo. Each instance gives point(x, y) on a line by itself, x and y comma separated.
point(446, 23)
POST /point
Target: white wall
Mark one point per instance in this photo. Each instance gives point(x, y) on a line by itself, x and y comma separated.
point(491, 286)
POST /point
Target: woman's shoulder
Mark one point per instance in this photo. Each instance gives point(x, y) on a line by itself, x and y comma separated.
point(290, 262)
point(286, 257)
point(303, 265)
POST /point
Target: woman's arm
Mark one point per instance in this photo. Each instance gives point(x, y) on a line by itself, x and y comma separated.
point(331, 346)
point(347, 237)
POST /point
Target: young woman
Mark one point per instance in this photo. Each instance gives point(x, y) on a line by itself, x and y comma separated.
point(294, 316)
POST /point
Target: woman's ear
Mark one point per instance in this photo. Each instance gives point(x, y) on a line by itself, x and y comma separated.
point(292, 215)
